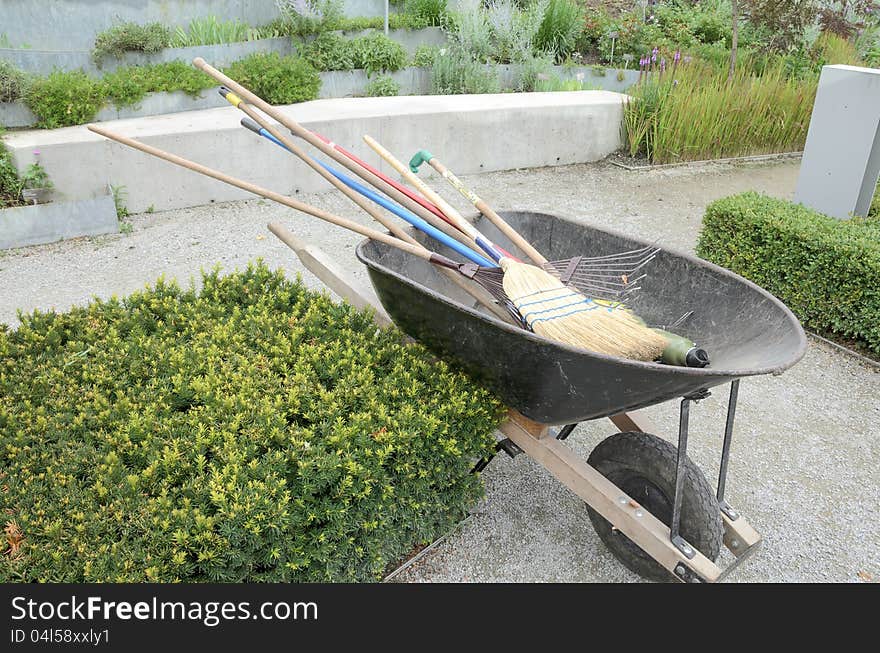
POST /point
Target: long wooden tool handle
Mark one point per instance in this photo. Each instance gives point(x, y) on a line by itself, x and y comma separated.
point(416, 250)
point(486, 210)
point(450, 211)
point(237, 102)
point(327, 148)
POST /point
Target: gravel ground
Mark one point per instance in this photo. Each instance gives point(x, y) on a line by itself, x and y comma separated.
point(806, 448)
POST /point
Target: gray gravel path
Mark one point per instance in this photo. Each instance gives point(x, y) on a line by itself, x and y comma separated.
point(806, 451)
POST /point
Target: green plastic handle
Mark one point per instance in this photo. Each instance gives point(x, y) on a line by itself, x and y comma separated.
point(418, 159)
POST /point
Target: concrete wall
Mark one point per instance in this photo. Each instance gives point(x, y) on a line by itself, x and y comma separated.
point(73, 24)
point(43, 62)
point(46, 223)
point(841, 162)
point(471, 133)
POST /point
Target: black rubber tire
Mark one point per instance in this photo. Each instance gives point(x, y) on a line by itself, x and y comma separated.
point(643, 466)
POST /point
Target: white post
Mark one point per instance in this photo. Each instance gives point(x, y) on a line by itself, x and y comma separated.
point(386, 17)
point(841, 161)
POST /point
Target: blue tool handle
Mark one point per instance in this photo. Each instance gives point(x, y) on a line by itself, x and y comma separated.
point(399, 211)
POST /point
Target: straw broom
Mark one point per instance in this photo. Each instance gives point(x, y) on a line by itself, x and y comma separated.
point(550, 308)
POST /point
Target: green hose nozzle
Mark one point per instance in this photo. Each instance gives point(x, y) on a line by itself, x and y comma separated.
point(418, 159)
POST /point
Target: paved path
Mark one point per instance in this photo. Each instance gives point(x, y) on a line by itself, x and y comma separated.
point(807, 445)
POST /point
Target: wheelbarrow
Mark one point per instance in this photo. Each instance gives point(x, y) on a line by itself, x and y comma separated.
point(649, 503)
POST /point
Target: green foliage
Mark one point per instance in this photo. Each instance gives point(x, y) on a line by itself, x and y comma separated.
point(424, 56)
point(277, 79)
point(455, 72)
point(10, 184)
point(130, 37)
point(64, 98)
point(36, 176)
point(120, 195)
point(305, 17)
point(782, 22)
point(13, 82)
point(330, 51)
point(826, 270)
point(426, 13)
point(254, 431)
point(128, 85)
point(695, 112)
point(470, 31)
point(377, 53)
point(383, 86)
point(560, 28)
point(211, 31)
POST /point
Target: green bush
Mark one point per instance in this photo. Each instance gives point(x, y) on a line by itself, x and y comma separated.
point(560, 28)
point(127, 86)
point(383, 86)
point(64, 98)
point(426, 13)
point(377, 53)
point(455, 72)
point(277, 79)
point(210, 30)
point(254, 431)
point(10, 184)
point(13, 82)
point(305, 17)
point(131, 37)
point(424, 56)
point(826, 270)
point(330, 51)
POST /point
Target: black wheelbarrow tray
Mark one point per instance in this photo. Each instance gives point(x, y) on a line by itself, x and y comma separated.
point(648, 501)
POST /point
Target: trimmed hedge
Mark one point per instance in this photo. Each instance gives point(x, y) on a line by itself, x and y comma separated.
point(254, 431)
point(826, 270)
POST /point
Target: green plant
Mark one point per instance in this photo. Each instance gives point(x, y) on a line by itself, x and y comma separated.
point(120, 195)
point(151, 209)
point(426, 13)
point(826, 270)
point(310, 16)
point(620, 76)
point(13, 82)
point(784, 22)
point(470, 32)
point(209, 30)
point(35, 175)
point(695, 111)
point(330, 51)
point(383, 86)
point(253, 431)
point(377, 53)
point(127, 86)
point(64, 98)
point(424, 56)
point(10, 184)
point(277, 79)
point(513, 30)
point(454, 72)
point(560, 28)
point(130, 37)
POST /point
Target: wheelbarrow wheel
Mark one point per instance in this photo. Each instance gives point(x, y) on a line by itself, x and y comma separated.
point(644, 466)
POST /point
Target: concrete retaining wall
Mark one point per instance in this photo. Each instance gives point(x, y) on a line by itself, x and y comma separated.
point(43, 62)
point(73, 24)
point(46, 223)
point(471, 133)
point(334, 84)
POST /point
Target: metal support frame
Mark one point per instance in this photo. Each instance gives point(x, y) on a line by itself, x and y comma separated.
point(725, 451)
point(674, 527)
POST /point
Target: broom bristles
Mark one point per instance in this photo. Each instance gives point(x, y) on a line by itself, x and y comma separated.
point(555, 311)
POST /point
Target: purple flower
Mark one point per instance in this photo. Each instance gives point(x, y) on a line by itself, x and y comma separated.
point(662, 64)
point(655, 50)
point(676, 56)
point(675, 82)
point(36, 152)
point(654, 57)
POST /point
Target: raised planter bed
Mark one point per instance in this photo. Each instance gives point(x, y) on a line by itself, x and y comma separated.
point(45, 223)
point(43, 62)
